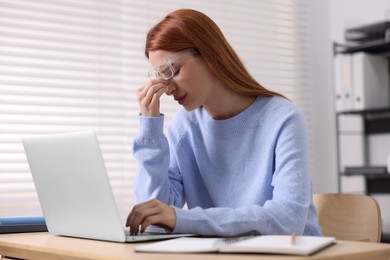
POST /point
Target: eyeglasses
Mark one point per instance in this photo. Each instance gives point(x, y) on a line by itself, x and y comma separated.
point(166, 70)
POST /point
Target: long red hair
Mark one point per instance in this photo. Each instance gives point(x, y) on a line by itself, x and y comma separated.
point(186, 28)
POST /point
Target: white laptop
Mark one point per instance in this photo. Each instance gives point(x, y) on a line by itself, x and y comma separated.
point(74, 190)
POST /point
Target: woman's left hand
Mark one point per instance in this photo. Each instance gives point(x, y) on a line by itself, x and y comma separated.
point(152, 212)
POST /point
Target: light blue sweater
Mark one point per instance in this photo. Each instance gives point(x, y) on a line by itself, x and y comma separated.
point(246, 174)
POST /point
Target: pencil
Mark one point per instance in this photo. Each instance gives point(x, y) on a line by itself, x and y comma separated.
point(293, 238)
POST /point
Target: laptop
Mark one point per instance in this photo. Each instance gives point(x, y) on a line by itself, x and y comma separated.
point(74, 190)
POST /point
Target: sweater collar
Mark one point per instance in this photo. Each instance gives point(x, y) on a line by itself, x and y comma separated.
point(235, 125)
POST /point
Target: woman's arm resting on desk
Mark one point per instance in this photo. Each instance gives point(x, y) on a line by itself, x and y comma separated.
point(274, 218)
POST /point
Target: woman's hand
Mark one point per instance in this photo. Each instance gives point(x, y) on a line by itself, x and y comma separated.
point(149, 97)
point(152, 212)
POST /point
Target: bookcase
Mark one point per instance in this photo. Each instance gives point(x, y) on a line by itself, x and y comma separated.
point(359, 127)
point(355, 125)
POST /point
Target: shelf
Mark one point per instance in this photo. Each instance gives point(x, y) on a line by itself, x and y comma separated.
point(376, 121)
point(365, 170)
point(372, 176)
point(375, 183)
point(380, 47)
point(367, 111)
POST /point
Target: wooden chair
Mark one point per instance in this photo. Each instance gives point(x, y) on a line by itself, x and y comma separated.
point(349, 216)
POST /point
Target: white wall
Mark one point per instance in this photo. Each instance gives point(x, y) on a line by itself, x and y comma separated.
point(351, 13)
point(324, 163)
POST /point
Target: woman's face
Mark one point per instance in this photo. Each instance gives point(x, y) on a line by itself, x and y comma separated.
point(193, 82)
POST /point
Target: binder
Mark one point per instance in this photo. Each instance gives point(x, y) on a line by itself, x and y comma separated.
point(370, 77)
point(343, 82)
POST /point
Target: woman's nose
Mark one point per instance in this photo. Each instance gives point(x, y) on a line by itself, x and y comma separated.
point(171, 88)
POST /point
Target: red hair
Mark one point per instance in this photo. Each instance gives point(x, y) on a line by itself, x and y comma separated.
point(186, 28)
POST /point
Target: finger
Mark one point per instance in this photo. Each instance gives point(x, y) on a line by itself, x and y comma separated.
point(165, 216)
point(148, 90)
point(151, 220)
point(150, 102)
point(140, 217)
point(137, 211)
point(137, 208)
point(155, 102)
point(143, 90)
point(153, 90)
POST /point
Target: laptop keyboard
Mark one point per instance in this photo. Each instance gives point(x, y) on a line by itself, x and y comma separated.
point(150, 230)
point(127, 232)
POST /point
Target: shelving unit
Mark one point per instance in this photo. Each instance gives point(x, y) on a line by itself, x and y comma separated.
point(373, 122)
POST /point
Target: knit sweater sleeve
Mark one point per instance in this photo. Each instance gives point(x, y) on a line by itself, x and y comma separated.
point(154, 177)
point(285, 213)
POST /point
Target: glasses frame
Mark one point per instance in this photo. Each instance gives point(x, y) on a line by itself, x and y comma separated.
point(158, 72)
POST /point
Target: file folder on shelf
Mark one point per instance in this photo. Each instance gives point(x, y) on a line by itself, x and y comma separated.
point(343, 82)
point(361, 81)
point(370, 81)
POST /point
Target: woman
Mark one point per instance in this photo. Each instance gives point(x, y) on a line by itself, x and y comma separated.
point(236, 153)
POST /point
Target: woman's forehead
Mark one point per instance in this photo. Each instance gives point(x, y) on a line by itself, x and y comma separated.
point(157, 57)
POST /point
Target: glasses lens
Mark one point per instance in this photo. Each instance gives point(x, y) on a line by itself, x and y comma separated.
point(167, 72)
point(153, 74)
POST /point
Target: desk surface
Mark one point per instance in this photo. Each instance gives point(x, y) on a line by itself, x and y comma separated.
point(47, 246)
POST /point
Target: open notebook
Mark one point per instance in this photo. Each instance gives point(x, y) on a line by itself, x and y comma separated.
point(275, 244)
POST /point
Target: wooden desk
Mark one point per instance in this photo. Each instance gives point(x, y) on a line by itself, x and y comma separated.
point(47, 246)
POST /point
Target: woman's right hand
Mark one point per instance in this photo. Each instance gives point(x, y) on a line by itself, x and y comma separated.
point(149, 97)
point(152, 212)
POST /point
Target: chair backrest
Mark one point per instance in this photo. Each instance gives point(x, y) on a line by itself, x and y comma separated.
point(349, 216)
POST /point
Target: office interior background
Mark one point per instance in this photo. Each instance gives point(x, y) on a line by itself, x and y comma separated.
point(70, 65)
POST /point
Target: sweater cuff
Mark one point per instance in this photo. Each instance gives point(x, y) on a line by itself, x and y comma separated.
point(151, 126)
point(183, 221)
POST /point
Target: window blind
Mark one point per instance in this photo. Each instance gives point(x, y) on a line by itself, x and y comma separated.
point(70, 65)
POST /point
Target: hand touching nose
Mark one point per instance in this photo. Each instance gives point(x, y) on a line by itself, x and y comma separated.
point(149, 97)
